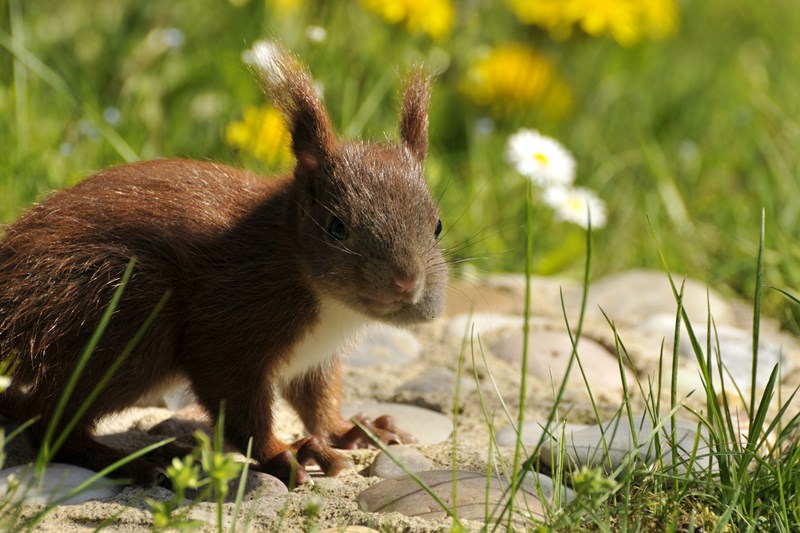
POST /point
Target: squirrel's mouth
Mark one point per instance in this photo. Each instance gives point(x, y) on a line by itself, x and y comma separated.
point(382, 306)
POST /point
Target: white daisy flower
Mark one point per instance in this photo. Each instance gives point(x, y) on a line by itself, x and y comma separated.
point(542, 159)
point(5, 382)
point(575, 204)
point(316, 34)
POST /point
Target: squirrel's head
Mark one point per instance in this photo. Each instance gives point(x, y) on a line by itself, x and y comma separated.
point(368, 227)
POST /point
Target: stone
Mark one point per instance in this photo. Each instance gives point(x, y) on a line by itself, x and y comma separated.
point(505, 294)
point(464, 297)
point(19, 484)
point(545, 487)
point(384, 345)
point(549, 353)
point(637, 295)
point(428, 427)
point(383, 466)
point(349, 529)
point(257, 485)
point(473, 499)
point(735, 349)
point(586, 446)
point(436, 381)
point(531, 433)
point(479, 324)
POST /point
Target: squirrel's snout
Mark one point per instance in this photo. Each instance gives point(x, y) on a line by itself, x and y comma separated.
point(408, 287)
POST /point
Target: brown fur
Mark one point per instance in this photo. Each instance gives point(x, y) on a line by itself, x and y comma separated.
point(245, 261)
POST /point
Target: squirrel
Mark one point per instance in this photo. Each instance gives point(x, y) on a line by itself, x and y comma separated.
point(266, 280)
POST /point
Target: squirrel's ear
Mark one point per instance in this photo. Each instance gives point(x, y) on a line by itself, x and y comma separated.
point(414, 113)
point(289, 86)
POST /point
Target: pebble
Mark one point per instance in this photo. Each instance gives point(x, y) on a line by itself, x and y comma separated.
point(531, 433)
point(384, 345)
point(258, 485)
point(549, 353)
point(475, 325)
point(436, 381)
point(383, 466)
point(586, 446)
point(473, 497)
point(349, 529)
point(505, 293)
point(636, 295)
point(428, 427)
point(544, 486)
point(59, 479)
point(735, 349)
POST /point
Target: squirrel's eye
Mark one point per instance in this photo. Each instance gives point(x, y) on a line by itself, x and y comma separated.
point(336, 229)
point(438, 230)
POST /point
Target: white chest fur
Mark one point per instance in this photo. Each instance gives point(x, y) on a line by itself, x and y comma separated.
point(337, 326)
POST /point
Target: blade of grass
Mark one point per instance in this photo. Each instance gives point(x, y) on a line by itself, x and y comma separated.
point(526, 328)
point(385, 449)
point(112, 369)
point(51, 78)
point(20, 78)
point(757, 313)
point(673, 388)
point(45, 452)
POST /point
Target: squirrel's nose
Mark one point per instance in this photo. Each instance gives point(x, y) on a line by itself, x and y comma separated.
point(407, 286)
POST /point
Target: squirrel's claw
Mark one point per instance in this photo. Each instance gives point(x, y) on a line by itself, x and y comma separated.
point(383, 428)
point(289, 465)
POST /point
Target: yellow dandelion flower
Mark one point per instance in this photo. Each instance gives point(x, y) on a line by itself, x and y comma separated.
point(262, 133)
point(552, 15)
point(617, 18)
point(432, 17)
point(285, 7)
point(626, 21)
point(660, 17)
point(514, 77)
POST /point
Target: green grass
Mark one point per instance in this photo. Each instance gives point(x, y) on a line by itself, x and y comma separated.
point(690, 140)
point(698, 132)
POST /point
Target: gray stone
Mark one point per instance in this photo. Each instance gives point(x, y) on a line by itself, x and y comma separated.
point(505, 293)
point(22, 487)
point(428, 427)
point(384, 345)
point(466, 326)
point(257, 485)
point(545, 487)
point(735, 349)
point(349, 529)
point(549, 353)
point(436, 381)
point(473, 499)
point(612, 445)
point(383, 466)
point(636, 295)
point(532, 432)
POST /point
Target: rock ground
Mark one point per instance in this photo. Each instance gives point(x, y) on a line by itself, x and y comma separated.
point(421, 372)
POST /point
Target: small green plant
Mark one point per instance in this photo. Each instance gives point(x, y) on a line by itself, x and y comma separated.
point(208, 468)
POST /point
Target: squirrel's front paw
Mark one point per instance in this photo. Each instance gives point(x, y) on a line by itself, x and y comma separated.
point(383, 428)
point(289, 465)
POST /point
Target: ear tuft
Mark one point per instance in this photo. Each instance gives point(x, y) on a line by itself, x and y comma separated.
point(289, 86)
point(414, 112)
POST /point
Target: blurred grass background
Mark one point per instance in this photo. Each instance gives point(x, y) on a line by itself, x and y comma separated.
point(692, 121)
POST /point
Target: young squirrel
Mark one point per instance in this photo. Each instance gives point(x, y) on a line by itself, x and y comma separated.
point(267, 279)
